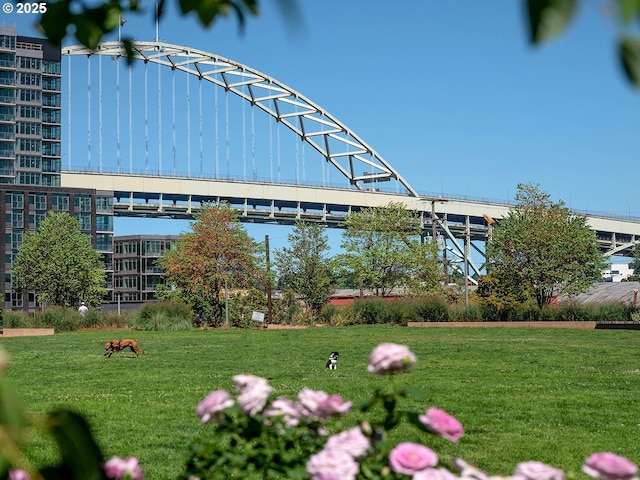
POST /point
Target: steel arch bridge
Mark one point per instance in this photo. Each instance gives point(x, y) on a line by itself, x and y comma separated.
point(357, 161)
point(462, 224)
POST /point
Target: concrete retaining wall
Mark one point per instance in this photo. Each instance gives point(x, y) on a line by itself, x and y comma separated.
point(581, 325)
point(25, 332)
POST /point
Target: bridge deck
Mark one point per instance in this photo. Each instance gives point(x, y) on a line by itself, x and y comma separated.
point(179, 197)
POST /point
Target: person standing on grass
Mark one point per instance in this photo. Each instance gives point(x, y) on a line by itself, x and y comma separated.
point(82, 310)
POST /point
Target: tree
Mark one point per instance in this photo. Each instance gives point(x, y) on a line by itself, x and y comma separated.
point(304, 266)
point(384, 251)
point(553, 250)
point(549, 18)
point(217, 254)
point(59, 264)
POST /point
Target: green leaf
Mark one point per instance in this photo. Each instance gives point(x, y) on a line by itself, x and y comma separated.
point(629, 9)
point(414, 392)
point(629, 50)
point(78, 449)
point(55, 21)
point(548, 18)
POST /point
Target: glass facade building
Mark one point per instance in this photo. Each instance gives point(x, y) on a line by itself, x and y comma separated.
point(30, 158)
point(136, 270)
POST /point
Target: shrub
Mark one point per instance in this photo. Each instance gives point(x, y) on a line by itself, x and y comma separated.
point(61, 319)
point(461, 313)
point(165, 316)
point(329, 314)
point(430, 309)
point(373, 311)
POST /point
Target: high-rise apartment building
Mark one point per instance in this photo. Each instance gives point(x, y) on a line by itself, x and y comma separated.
point(30, 157)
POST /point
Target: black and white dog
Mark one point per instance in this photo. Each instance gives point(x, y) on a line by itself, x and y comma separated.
point(332, 363)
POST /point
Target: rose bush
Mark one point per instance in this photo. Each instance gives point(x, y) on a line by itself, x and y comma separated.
point(259, 435)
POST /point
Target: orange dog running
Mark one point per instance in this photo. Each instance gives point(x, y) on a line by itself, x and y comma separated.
point(118, 345)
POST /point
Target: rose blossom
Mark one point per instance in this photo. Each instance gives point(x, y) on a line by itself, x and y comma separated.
point(389, 358)
point(609, 466)
point(332, 405)
point(309, 400)
point(123, 468)
point(468, 471)
point(351, 441)
point(434, 474)
point(254, 392)
point(212, 405)
point(332, 465)
point(319, 405)
point(537, 471)
point(18, 475)
point(283, 408)
point(410, 458)
point(441, 423)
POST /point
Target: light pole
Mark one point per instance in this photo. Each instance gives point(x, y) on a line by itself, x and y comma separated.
point(226, 303)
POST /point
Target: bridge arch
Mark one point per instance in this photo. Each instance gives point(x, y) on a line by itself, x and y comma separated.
point(357, 161)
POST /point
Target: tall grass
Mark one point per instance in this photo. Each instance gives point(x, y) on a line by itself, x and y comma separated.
point(553, 395)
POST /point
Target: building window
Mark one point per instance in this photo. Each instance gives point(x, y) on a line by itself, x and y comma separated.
point(16, 299)
point(51, 149)
point(104, 222)
point(50, 67)
point(51, 116)
point(27, 95)
point(60, 202)
point(51, 180)
point(30, 111)
point(84, 219)
point(51, 99)
point(17, 200)
point(28, 161)
point(34, 79)
point(51, 132)
point(28, 128)
point(8, 42)
point(29, 145)
point(82, 203)
point(17, 220)
point(104, 204)
point(104, 241)
point(30, 63)
point(29, 178)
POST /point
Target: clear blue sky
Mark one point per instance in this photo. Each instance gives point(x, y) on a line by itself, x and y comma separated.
point(450, 93)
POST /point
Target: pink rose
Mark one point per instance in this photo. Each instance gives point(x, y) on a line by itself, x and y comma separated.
point(537, 471)
point(332, 405)
point(254, 392)
point(284, 409)
point(118, 467)
point(212, 406)
point(434, 474)
point(332, 465)
point(351, 441)
point(468, 471)
point(319, 405)
point(309, 400)
point(441, 423)
point(18, 475)
point(411, 458)
point(609, 466)
point(389, 358)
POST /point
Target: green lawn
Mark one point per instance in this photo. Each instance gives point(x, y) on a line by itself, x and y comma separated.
point(552, 395)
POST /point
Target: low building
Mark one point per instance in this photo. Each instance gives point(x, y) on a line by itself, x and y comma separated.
point(136, 272)
point(617, 272)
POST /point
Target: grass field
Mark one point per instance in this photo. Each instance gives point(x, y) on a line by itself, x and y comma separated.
point(552, 395)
